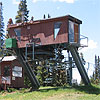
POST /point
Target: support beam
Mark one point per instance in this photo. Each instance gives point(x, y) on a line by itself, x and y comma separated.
point(28, 69)
point(79, 65)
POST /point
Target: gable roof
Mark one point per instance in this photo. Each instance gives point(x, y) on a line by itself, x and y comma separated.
point(8, 58)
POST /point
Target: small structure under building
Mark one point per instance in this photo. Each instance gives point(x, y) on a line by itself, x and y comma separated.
point(11, 72)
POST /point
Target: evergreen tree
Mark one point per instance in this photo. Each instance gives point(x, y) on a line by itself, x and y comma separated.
point(42, 73)
point(22, 13)
point(97, 68)
point(1, 29)
point(95, 78)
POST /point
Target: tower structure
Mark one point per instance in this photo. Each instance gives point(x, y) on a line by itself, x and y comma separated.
point(46, 39)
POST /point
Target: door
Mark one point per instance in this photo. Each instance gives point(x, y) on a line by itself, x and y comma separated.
point(76, 33)
point(6, 74)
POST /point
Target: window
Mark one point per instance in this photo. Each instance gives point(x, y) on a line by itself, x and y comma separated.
point(17, 71)
point(18, 33)
point(6, 71)
point(74, 32)
point(57, 26)
point(71, 31)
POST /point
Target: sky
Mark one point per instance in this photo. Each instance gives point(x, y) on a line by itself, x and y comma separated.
point(86, 10)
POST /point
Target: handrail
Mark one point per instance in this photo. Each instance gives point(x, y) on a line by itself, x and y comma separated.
point(83, 41)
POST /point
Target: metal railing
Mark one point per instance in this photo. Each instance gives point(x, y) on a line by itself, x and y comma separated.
point(83, 41)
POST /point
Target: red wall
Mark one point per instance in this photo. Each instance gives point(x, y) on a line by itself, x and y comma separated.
point(44, 31)
point(19, 81)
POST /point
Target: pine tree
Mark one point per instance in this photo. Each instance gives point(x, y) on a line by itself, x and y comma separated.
point(22, 13)
point(97, 67)
point(42, 73)
point(95, 78)
point(1, 29)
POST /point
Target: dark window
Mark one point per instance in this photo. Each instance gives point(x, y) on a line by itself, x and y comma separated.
point(18, 33)
point(57, 26)
point(7, 71)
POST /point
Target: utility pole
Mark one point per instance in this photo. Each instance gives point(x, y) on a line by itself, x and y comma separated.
point(88, 67)
point(69, 71)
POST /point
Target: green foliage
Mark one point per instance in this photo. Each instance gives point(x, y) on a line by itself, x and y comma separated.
point(42, 73)
point(51, 75)
point(59, 77)
point(94, 81)
point(52, 93)
point(11, 90)
point(95, 78)
point(39, 75)
point(22, 12)
point(48, 75)
point(27, 82)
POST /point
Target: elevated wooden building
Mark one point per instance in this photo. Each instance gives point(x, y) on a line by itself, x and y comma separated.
point(47, 32)
point(43, 39)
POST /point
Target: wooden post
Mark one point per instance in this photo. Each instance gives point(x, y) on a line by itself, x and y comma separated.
point(0, 80)
point(5, 85)
point(0, 83)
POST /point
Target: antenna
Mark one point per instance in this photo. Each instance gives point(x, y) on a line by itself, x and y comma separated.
point(44, 16)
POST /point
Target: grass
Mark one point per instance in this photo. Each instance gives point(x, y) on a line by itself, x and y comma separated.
point(52, 93)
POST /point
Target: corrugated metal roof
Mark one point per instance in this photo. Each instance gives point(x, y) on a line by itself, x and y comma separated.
point(8, 58)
